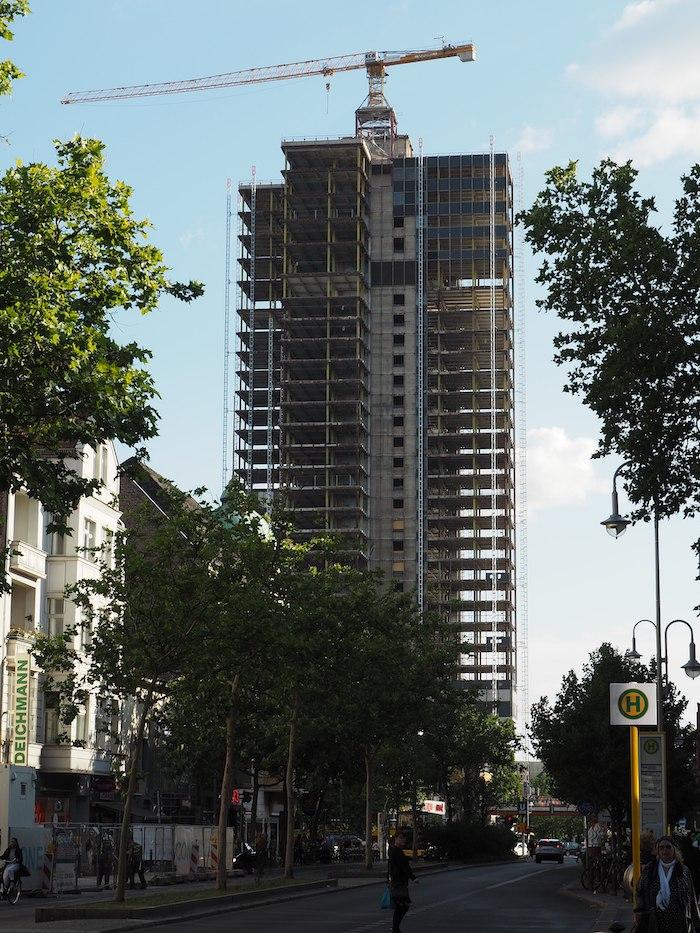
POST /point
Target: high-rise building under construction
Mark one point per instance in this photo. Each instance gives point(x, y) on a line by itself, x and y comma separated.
point(374, 384)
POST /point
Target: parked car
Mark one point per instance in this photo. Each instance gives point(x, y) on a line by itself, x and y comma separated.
point(346, 847)
point(551, 850)
point(245, 859)
point(572, 848)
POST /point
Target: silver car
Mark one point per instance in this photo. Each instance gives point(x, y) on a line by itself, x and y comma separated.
point(549, 850)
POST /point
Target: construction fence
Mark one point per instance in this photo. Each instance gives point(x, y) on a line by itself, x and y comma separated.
point(57, 857)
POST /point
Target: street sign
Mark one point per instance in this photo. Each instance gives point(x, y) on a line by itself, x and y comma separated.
point(434, 806)
point(633, 704)
point(522, 806)
point(651, 782)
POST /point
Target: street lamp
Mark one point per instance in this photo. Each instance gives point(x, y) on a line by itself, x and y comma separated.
point(616, 524)
point(632, 653)
point(691, 666)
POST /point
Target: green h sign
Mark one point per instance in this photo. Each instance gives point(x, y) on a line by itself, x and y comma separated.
point(633, 704)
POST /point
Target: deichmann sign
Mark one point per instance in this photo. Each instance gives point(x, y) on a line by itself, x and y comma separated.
point(633, 704)
point(20, 710)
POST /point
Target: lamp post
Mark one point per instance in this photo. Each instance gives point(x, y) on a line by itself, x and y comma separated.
point(691, 666)
point(616, 525)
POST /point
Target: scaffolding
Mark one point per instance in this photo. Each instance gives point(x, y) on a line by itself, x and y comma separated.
point(226, 440)
point(523, 691)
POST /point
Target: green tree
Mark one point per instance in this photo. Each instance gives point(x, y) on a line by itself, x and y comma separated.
point(9, 11)
point(587, 758)
point(628, 295)
point(147, 613)
point(72, 256)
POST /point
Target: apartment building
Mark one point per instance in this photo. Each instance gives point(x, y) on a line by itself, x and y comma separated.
point(64, 781)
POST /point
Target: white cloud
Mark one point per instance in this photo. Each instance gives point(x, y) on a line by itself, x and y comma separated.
point(533, 139)
point(639, 11)
point(560, 471)
point(672, 132)
point(665, 72)
point(618, 121)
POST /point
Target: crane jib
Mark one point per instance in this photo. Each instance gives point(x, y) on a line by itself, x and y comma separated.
point(326, 67)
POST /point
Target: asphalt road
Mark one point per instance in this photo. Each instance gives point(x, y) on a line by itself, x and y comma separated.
point(521, 898)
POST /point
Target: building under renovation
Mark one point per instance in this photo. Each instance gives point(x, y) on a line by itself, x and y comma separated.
point(374, 369)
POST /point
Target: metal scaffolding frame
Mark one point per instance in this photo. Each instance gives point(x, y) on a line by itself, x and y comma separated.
point(226, 439)
point(420, 383)
point(493, 426)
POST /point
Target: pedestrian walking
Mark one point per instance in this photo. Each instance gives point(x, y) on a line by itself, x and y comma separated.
point(665, 894)
point(400, 873)
point(134, 862)
point(531, 846)
point(105, 860)
point(260, 854)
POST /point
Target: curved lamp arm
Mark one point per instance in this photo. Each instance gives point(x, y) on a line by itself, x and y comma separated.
point(634, 654)
point(691, 667)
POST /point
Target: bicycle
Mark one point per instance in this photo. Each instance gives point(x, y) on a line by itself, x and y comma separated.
point(12, 892)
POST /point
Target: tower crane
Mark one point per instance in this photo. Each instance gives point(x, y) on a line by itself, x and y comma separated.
point(375, 113)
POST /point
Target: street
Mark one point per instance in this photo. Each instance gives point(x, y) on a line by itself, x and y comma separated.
point(516, 898)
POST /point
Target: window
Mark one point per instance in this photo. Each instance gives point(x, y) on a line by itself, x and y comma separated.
point(398, 421)
point(398, 544)
point(82, 723)
point(90, 537)
point(398, 380)
point(101, 463)
point(398, 503)
point(398, 463)
point(398, 482)
point(398, 340)
point(398, 359)
point(107, 546)
point(399, 320)
point(85, 635)
point(58, 544)
point(399, 298)
point(398, 442)
point(398, 401)
point(397, 524)
point(398, 221)
point(398, 244)
point(55, 607)
point(398, 566)
point(52, 726)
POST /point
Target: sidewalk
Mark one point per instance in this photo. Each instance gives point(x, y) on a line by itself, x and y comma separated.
point(610, 908)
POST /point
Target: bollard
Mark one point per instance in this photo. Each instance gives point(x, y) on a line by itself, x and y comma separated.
point(194, 860)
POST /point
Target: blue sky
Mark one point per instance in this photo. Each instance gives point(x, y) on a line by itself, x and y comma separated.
point(553, 81)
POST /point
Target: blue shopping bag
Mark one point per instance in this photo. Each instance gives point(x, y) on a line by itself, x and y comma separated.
point(387, 901)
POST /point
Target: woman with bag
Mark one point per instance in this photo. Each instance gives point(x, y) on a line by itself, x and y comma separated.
point(665, 894)
point(399, 874)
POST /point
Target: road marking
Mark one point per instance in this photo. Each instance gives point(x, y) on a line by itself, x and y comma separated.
point(450, 900)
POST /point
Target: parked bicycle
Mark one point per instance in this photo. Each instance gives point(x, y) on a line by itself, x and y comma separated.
point(605, 874)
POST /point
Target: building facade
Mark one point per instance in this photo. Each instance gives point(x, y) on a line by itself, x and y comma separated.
point(375, 369)
point(66, 768)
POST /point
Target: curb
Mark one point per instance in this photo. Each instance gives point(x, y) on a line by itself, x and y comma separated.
point(608, 909)
point(179, 918)
point(179, 909)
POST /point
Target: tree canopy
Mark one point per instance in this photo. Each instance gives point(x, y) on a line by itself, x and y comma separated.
point(73, 256)
point(9, 11)
point(628, 294)
point(586, 758)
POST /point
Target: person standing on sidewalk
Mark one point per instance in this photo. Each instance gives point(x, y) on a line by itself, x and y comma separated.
point(665, 894)
point(400, 873)
point(260, 854)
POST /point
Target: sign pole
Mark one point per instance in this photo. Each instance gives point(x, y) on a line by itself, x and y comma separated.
point(635, 798)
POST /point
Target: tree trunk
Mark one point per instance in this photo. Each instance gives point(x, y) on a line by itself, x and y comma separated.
point(448, 799)
point(254, 801)
point(368, 809)
point(414, 818)
point(289, 846)
point(313, 828)
point(125, 833)
point(226, 790)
